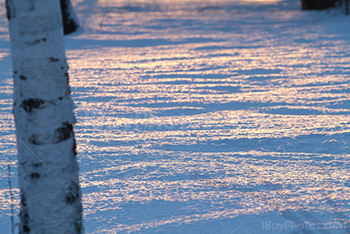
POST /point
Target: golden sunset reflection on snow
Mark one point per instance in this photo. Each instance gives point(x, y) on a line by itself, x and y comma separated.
point(196, 112)
point(219, 123)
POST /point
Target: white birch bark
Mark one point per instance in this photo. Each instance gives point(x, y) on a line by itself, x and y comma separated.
point(43, 110)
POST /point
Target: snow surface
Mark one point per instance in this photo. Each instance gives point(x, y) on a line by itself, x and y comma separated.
point(204, 117)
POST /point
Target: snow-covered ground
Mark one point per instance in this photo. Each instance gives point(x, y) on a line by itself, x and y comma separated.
point(204, 117)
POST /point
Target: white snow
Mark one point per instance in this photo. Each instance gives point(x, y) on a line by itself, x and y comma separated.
point(204, 117)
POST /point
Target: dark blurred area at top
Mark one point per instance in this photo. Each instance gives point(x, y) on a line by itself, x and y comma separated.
point(324, 4)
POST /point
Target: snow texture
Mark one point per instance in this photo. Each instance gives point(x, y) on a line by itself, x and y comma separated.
point(204, 117)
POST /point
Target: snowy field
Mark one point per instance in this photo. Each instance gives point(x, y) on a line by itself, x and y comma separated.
point(203, 117)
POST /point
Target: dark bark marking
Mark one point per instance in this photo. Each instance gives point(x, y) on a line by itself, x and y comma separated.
point(22, 77)
point(23, 200)
point(69, 25)
point(25, 229)
point(32, 8)
point(75, 148)
point(10, 12)
point(37, 41)
point(34, 175)
point(34, 139)
point(60, 98)
point(15, 72)
point(37, 164)
point(73, 193)
point(24, 217)
point(78, 226)
point(70, 198)
point(63, 133)
point(31, 103)
point(54, 60)
point(67, 77)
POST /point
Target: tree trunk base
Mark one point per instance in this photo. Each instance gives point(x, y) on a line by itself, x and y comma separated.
point(317, 4)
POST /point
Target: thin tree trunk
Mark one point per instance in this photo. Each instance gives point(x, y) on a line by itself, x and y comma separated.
point(69, 18)
point(346, 7)
point(43, 110)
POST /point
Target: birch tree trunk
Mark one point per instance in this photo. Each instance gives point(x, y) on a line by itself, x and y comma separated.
point(318, 4)
point(70, 19)
point(43, 110)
